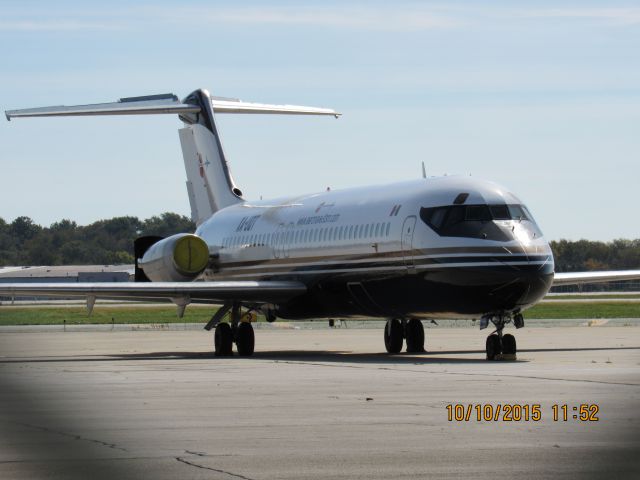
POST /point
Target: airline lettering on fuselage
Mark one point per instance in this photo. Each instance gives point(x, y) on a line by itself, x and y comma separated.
point(247, 223)
point(324, 205)
point(328, 218)
point(395, 210)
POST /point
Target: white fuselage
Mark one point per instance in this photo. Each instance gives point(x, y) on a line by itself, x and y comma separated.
point(374, 234)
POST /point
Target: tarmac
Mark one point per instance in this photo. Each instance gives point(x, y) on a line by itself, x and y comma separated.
point(317, 404)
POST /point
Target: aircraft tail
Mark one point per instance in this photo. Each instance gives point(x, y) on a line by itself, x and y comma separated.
point(209, 182)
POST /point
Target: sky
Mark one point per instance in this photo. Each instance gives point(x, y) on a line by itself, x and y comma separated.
point(542, 97)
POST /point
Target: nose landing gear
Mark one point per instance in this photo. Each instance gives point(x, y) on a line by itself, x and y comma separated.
point(499, 346)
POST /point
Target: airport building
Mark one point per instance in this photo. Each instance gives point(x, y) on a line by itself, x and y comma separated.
point(66, 274)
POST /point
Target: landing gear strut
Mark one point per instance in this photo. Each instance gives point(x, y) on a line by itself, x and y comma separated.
point(499, 346)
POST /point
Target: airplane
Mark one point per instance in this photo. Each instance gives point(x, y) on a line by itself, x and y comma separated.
point(433, 248)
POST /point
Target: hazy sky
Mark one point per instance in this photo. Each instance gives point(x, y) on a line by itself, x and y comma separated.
point(542, 97)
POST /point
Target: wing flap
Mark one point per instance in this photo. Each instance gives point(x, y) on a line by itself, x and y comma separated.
point(575, 278)
point(252, 291)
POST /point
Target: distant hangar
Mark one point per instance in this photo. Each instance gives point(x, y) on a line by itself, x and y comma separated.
point(67, 274)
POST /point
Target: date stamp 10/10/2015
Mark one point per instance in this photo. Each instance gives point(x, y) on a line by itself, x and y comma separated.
point(526, 412)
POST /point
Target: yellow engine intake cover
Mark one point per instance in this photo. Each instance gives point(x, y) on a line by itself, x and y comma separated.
point(191, 254)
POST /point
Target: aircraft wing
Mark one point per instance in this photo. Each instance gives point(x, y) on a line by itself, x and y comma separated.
point(249, 291)
point(576, 278)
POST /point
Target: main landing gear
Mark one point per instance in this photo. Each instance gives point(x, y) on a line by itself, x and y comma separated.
point(239, 330)
point(499, 346)
point(395, 331)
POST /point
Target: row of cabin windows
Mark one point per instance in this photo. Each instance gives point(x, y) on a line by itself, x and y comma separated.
point(296, 236)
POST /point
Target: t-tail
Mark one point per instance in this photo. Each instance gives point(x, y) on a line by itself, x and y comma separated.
point(210, 184)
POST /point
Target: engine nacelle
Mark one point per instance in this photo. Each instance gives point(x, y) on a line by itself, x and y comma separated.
point(178, 258)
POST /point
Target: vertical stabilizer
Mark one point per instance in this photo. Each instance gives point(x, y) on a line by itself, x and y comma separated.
point(209, 182)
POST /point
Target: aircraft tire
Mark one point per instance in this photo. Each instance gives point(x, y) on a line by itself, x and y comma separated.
point(508, 344)
point(393, 336)
point(493, 347)
point(223, 340)
point(414, 332)
point(245, 339)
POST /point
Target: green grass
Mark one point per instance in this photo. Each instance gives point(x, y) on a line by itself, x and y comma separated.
point(101, 315)
point(167, 314)
point(590, 310)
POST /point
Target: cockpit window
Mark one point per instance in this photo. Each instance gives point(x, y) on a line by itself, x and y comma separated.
point(517, 213)
point(478, 212)
point(474, 221)
point(500, 212)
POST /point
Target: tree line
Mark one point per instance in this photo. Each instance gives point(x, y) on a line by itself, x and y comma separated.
point(105, 242)
point(109, 242)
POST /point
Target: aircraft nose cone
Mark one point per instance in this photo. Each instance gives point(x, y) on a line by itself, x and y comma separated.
point(538, 284)
point(527, 282)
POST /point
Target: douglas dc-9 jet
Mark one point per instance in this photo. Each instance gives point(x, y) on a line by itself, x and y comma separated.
point(438, 247)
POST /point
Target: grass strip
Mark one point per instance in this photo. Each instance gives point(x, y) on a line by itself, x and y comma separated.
point(101, 315)
point(167, 314)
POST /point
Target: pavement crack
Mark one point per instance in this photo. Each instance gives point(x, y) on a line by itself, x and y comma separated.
point(467, 374)
point(224, 472)
point(73, 436)
point(199, 454)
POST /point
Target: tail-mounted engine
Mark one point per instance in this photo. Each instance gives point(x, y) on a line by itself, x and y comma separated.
point(178, 258)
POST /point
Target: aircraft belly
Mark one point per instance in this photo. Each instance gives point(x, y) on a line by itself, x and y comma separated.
point(441, 283)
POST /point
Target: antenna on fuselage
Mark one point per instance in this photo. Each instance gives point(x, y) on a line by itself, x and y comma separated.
point(424, 171)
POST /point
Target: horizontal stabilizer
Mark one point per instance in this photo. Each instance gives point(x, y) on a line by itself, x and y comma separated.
point(149, 105)
point(238, 106)
point(166, 103)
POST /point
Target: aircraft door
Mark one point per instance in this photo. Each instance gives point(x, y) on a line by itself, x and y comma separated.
point(408, 228)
